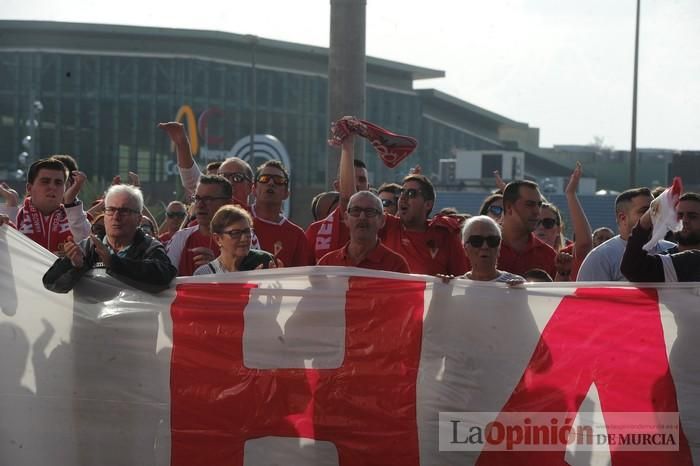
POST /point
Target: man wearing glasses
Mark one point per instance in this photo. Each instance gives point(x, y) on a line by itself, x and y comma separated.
point(125, 251)
point(194, 246)
point(430, 246)
point(175, 214)
point(275, 232)
point(521, 250)
point(364, 219)
point(389, 194)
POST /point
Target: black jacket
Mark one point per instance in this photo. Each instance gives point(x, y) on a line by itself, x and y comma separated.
point(639, 266)
point(146, 267)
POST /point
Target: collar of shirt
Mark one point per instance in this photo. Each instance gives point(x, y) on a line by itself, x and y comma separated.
point(374, 256)
point(121, 254)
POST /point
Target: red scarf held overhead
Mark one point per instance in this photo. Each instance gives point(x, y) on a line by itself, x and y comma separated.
point(392, 148)
point(50, 231)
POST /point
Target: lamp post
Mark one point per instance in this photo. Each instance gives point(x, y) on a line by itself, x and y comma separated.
point(633, 148)
point(254, 97)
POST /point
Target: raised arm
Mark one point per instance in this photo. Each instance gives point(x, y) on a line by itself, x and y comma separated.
point(579, 221)
point(346, 177)
point(189, 171)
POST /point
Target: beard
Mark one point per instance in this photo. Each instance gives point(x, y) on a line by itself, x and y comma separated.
point(689, 239)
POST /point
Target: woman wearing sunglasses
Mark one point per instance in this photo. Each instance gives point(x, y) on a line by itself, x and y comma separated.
point(231, 228)
point(481, 237)
point(493, 207)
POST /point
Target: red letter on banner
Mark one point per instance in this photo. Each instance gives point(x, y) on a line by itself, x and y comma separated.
point(610, 337)
point(367, 407)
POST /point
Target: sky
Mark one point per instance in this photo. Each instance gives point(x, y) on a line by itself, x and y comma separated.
point(563, 66)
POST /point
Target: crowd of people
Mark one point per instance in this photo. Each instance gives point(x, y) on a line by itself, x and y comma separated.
point(232, 220)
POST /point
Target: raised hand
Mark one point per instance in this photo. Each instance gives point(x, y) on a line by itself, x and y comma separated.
point(176, 131)
point(134, 178)
point(101, 251)
point(202, 256)
point(10, 195)
point(71, 193)
point(572, 186)
point(500, 184)
point(74, 253)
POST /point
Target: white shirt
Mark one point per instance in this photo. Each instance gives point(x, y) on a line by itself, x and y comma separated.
point(602, 264)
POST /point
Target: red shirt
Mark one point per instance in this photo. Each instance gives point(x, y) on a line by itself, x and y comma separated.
point(437, 250)
point(186, 266)
point(165, 237)
point(379, 258)
point(537, 255)
point(326, 235)
point(285, 239)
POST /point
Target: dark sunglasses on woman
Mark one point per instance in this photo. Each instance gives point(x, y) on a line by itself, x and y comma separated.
point(477, 241)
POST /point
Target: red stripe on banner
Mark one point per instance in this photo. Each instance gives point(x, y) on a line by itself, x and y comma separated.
point(610, 337)
point(367, 407)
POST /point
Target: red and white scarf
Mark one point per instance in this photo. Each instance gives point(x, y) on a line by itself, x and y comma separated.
point(50, 231)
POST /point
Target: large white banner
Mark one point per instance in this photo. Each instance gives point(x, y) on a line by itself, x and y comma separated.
point(332, 366)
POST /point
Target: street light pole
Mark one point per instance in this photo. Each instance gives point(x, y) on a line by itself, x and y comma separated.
point(633, 149)
point(254, 98)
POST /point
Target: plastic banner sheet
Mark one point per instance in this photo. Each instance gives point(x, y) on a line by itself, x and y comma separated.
point(333, 366)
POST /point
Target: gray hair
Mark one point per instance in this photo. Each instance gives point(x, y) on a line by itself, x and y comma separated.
point(485, 219)
point(133, 192)
point(369, 195)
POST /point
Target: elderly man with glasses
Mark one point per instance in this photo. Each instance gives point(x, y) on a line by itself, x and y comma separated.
point(431, 246)
point(125, 251)
point(365, 217)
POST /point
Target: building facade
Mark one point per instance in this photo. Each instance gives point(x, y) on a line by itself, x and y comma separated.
point(104, 88)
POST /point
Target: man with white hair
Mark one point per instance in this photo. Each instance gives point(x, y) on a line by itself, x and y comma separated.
point(125, 251)
point(364, 219)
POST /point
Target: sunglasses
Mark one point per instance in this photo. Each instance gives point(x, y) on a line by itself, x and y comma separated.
point(279, 180)
point(477, 241)
point(388, 203)
point(175, 214)
point(410, 193)
point(236, 177)
point(496, 210)
point(236, 234)
point(369, 212)
point(547, 223)
point(110, 211)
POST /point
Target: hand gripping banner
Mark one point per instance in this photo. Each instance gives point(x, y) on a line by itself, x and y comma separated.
point(333, 366)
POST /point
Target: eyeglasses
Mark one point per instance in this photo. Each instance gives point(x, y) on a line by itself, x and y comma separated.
point(236, 234)
point(110, 211)
point(410, 193)
point(477, 241)
point(175, 214)
point(236, 177)
point(279, 180)
point(388, 202)
point(496, 210)
point(547, 223)
point(208, 199)
point(369, 212)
